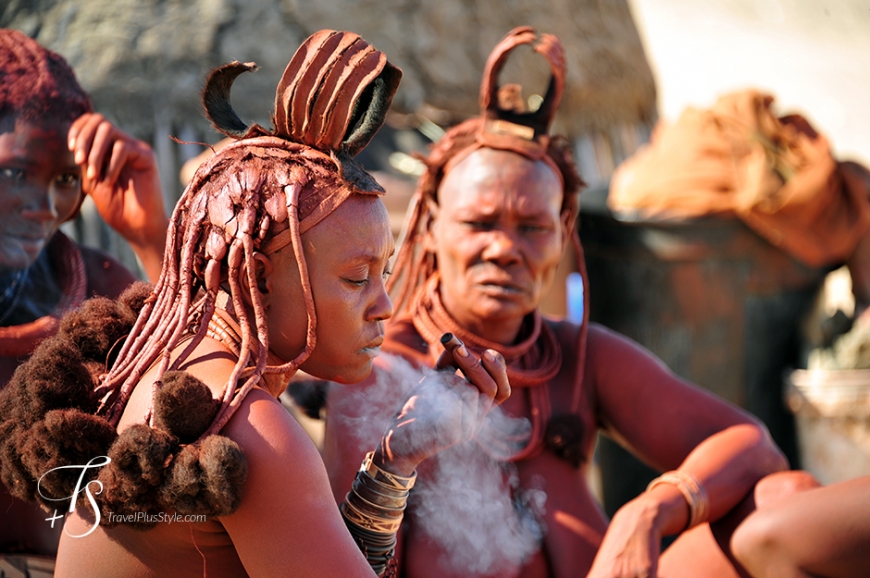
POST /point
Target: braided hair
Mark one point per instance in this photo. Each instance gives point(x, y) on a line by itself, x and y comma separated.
point(500, 126)
point(258, 194)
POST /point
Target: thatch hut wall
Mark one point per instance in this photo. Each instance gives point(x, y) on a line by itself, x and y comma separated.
point(143, 61)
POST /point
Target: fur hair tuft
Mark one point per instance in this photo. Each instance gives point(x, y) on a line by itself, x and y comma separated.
point(65, 437)
point(207, 479)
point(184, 406)
point(132, 480)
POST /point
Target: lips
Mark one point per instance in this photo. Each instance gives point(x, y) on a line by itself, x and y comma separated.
point(505, 286)
point(376, 343)
point(374, 346)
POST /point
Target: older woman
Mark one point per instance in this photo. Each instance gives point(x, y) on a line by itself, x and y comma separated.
point(168, 445)
point(492, 217)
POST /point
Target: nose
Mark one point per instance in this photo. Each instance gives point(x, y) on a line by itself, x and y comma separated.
point(502, 249)
point(382, 308)
point(39, 207)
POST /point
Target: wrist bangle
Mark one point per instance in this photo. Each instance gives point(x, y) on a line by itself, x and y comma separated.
point(367, 522)
point(388, 479)
point(396, 501)
point(692, 490)
point(373, 511)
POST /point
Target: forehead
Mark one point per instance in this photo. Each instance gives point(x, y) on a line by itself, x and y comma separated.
point(501, 177)
point(360, 226)
point(28, 139)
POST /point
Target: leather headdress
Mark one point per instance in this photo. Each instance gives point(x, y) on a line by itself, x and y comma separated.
point(333, 97)
point(415, 287)
point(516, 129)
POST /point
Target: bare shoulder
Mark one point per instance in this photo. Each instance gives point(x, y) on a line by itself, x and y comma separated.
point(262, 421)
point(609, 353)
point(605, 340)
point(287, 522)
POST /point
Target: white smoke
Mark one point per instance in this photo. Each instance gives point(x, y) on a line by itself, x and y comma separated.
point(467, 503)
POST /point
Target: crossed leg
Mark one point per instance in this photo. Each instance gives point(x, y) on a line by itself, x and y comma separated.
point(706, 551)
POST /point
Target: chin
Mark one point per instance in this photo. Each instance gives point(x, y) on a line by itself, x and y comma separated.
point(502, 310)
point(344, 375)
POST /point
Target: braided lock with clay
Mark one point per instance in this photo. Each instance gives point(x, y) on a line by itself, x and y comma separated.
point(260, 193)
point(505, 123)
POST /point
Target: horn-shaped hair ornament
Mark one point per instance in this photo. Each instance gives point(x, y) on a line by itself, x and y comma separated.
point(509, 128)
point(506, 124)
point(260, 193)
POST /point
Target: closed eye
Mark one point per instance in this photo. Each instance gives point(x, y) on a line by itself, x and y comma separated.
point(479, 225)
point(534, 228)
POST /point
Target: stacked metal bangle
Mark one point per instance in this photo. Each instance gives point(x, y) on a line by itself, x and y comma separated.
point(373, 511)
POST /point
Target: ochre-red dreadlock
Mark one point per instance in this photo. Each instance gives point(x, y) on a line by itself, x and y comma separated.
point(260, 193)
point(414, 287)
point(246, 195)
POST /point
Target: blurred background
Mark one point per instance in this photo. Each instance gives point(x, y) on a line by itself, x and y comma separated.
point(631, 63)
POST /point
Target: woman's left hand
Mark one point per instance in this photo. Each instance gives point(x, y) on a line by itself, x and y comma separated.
point(120, 174)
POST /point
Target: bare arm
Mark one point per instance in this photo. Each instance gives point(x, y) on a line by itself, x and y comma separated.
point(119, 173)
point(820, 532)
point(357, 416)
point(288, 523)
point(672, 425)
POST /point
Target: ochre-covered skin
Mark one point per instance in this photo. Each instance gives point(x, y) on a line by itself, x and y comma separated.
point(493, 245)
point(286, 513)
point(276, 259)
point(821, 531)
point(287, 523)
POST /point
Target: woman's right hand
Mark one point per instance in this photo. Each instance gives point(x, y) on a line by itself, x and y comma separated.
point(444, 410)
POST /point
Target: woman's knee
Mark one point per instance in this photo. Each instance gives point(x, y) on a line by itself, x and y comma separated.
point(774, 487)
point(754, 543)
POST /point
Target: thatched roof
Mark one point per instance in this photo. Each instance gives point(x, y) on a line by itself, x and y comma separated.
point(144, 62)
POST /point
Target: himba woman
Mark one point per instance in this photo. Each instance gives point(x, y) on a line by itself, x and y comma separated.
point(179, 460)
point(489, 223)
point(54, 150)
